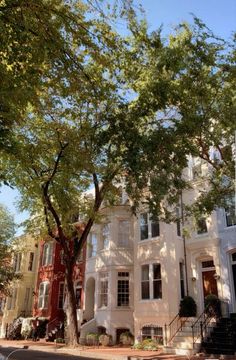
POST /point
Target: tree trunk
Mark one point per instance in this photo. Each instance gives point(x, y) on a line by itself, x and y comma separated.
point(72, 325)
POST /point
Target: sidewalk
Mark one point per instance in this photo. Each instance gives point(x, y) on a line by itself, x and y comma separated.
point(110, 353)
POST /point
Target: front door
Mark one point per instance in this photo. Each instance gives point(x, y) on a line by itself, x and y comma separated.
point(209, 283)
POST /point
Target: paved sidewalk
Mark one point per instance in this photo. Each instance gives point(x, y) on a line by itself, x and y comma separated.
point(110, 353)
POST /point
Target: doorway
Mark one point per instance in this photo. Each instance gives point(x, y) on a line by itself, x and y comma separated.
point(209, 282)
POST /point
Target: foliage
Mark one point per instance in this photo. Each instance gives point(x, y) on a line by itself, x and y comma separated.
point(212, 305)
point(146, 344)
point(187, 307)
point(93, 108)
point(105, 339)
point(7, 273)
point(126, 338)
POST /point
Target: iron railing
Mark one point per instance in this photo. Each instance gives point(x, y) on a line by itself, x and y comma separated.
point(205, 322)
point(173, 328)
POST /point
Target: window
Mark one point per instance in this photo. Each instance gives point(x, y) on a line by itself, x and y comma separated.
point(123, 233)
point(230, 212)
point(12, 300)
point(105, 236)
point(43, 295)
point(27, 298)
point(201, 226)
point(149, 228)
point(31, 261)
point(153, 332)
point(151, 283)
point(103, 289)
point(47, 254)
point(17, 262)
point(123, 289)
point(145, 289)
point(208, 264)
point(181, 276)
point(61, 295)
point(78, 295)
point(92, 245)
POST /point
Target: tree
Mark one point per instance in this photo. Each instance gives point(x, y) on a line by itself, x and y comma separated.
point(125, 121)
point(186, 84)
point(6, 236)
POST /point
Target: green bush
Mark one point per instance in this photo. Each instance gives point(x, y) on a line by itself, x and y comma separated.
point(187, 307)
point(126, 338)
point(92, 338)
point(146, 344)
point(212, 305)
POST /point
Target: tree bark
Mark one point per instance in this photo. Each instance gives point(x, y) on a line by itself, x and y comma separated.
point(72, 325)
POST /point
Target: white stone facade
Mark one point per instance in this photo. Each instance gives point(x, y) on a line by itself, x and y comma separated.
point(152, 260)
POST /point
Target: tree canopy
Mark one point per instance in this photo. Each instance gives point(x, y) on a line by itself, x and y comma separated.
point(95, 108)
point(7, 232)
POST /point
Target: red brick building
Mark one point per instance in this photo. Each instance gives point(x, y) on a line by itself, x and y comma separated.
point(50, 288)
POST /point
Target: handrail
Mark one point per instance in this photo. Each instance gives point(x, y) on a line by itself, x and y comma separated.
point(52, 322)
point(174, 326)
point(201, 326)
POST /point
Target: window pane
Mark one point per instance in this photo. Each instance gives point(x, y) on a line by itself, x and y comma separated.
point(144, 226)
point(123, 293)
point(230, 212)
point(157, 291)
point(145, 272)
point(123, 233)
point(31, 260)
point(105, 236)
point(145, 290)
point(155, 227)
point(201, 226)
point(156, 271)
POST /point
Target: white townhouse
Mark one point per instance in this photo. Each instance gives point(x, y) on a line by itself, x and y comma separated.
point(138, 269)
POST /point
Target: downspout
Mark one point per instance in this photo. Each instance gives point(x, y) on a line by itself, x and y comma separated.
point(184, 243)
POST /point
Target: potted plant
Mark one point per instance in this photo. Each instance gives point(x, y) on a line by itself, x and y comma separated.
point(126, 338)
point(212, 305)
point(105, 339)
point(91, 338)
point(187, 307)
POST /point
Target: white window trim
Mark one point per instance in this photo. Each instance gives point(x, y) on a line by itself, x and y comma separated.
point(149, 223)
point(47, 256)
point(126, 243)
point(103, 277)
point(127, 278)
point(151, 298)
point(45, 284)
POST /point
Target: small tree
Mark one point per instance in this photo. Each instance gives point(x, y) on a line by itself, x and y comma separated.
point(7, 227)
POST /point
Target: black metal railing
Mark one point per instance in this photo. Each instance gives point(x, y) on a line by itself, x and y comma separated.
point(173, 328)
point(204, 323)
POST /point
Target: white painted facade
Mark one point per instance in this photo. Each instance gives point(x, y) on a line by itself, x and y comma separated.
point(211, 267)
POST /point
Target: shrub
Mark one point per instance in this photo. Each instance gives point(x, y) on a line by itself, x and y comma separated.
point(212, 305)
point(147, 344)
point(126, 338)
point(187, 307)
point(91, 338)
point(105, 339)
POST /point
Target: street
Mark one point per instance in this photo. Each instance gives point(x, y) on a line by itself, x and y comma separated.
point(27, 354)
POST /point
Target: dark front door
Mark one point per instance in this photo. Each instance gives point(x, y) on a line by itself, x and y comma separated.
point(209, 283)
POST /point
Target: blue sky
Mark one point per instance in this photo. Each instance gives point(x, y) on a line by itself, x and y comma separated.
point(218, 15)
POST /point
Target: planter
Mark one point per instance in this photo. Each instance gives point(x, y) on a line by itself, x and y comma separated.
point(126, 338)
point(104, 339)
